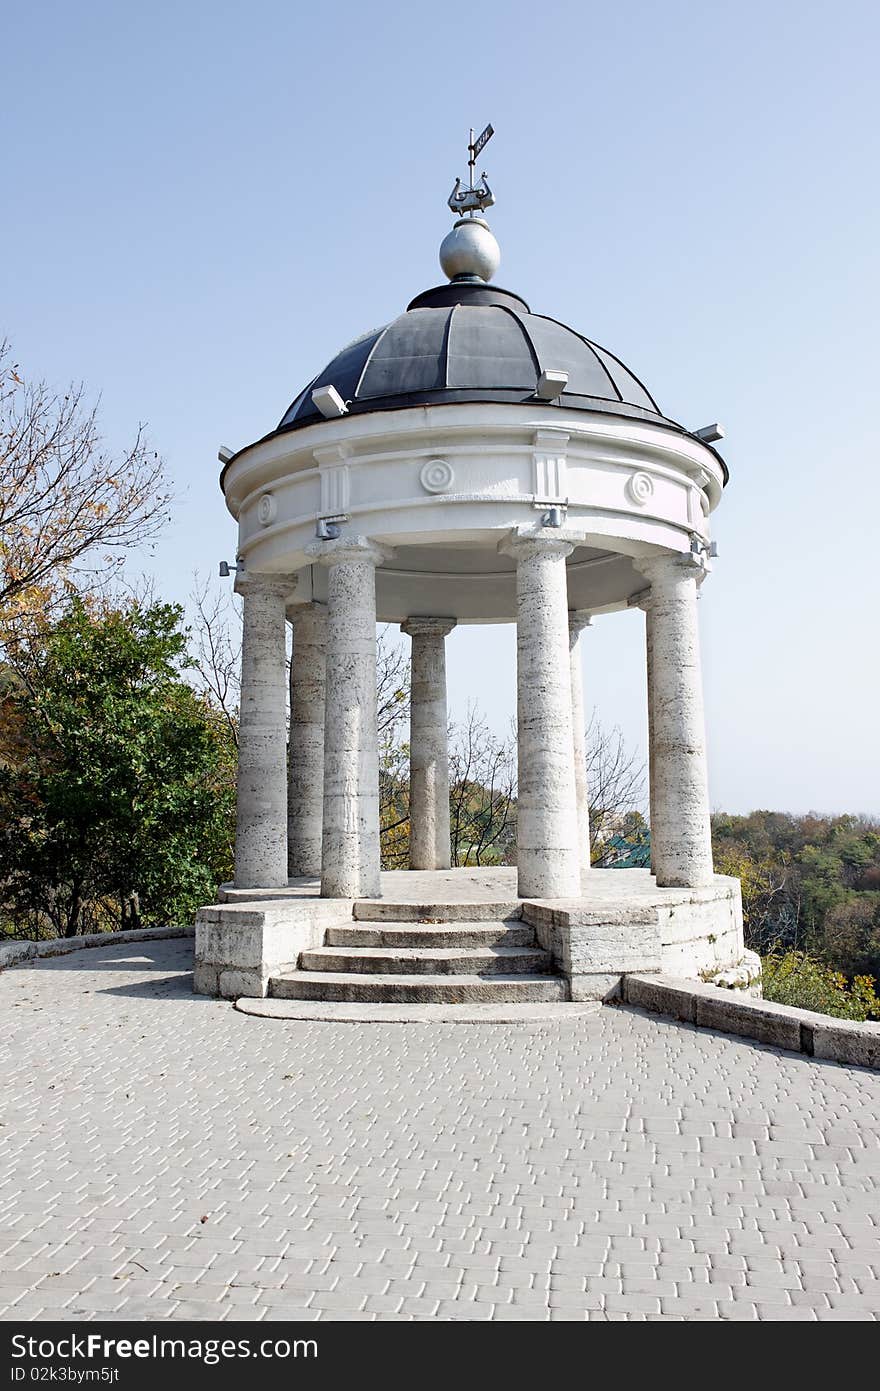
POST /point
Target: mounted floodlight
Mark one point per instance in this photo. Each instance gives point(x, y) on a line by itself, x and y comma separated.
point(224, 453)
point(554, 516)
point(225, 568)
point(710, 433)
point(701, 550)
point(551, 385)
point(329, 402)
point(327, 531)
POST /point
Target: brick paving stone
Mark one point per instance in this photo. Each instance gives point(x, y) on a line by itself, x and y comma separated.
point(609, 1167)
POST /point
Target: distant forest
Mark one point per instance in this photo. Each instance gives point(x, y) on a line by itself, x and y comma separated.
point(809, 884)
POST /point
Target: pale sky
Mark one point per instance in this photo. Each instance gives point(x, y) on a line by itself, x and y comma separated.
point(203, 202)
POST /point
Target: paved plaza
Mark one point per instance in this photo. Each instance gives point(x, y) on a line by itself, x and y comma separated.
point(164, 1156)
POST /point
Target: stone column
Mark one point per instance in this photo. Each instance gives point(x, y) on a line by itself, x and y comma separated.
point(680, 831)
point(547, 827)
point(350, 840)
point(261, 815)
point(652, 776)
point(428, 744)
point(577, 621)
point(305, 767)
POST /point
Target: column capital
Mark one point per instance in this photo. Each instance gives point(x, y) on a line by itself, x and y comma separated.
point(418, 625)
point(309, 608)
point(578, 620)
point(642, 600)
point(266, 582)
point(668, 568)
point(543, 541)
point(359, 549)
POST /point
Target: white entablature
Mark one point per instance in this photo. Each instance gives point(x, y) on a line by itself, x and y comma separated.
point(442, 485)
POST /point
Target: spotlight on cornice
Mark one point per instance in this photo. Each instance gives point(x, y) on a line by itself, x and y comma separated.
point(329, 402)
point(224, 453)
point(710, 433)
point(551, 385)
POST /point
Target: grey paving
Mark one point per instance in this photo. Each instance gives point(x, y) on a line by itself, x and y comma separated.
point(163, 1155)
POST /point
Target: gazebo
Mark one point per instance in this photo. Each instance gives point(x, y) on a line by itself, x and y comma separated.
point(471, 462)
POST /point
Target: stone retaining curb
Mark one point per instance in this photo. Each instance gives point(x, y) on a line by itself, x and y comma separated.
point(344, 1013)
point(780, 1026)
point(13, 952)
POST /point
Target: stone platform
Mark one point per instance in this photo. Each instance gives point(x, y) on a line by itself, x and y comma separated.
point(463, 937)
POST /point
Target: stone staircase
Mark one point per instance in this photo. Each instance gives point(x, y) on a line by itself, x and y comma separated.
point(393, 954)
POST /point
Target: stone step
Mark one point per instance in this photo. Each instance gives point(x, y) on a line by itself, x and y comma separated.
point(410, 934)
point(387, 910)
point(429, 961)
point(393, 989)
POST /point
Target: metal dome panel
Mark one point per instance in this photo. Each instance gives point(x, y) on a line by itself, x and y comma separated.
point(627, 382)
point(488, 346)
point(408, 356)
point(558, 349)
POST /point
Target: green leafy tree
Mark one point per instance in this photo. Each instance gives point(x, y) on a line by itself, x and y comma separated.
point(807, 882)
point(116, 785)
point(850, 938)
point(795, 978)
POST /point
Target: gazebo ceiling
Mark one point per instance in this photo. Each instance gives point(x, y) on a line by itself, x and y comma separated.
point(477, 584)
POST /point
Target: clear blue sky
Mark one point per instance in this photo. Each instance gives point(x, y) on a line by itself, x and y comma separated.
point(204, 201)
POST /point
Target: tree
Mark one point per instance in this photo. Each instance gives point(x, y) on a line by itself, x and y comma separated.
point(68, 508)
point(482, 794)
point(771, 908)
point(392, 701)
point(482, 783)
point(809, 883)
point(216, 652)
point(115, 790)
point(850, 937)
point(615, 783)
point(795, 978)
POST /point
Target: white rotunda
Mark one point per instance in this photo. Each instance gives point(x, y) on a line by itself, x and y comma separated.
point(471, 462)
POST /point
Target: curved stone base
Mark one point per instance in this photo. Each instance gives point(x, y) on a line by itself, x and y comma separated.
point(320, 1012)
point(623, 923)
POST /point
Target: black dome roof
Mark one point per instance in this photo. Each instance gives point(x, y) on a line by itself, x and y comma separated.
point(469, 341)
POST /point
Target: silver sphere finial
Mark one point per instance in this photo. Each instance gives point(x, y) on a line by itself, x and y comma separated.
point(470, 251)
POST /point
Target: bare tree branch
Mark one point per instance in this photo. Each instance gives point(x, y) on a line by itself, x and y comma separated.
point(68, 508)
point(482, 793)
point(615, 782)
point(216, 649)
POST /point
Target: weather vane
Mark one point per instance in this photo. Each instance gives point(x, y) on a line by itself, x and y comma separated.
point(473, 199)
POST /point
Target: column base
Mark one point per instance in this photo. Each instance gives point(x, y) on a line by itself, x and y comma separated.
point(548, 873)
